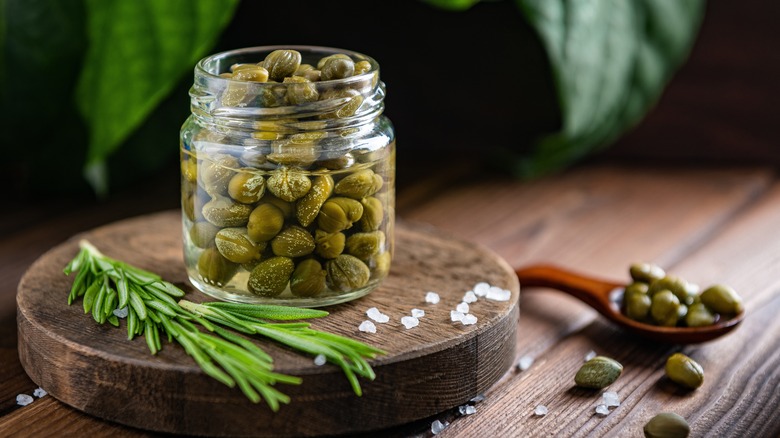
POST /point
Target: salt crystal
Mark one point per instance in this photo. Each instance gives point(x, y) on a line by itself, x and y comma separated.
point(456, 316)
point(470, 297)
point(40, 392)
point(590, 355)
point(478, 398)
point(481, 289)
point(367, 326)
point(377, 316)
point(469, 319)
point(495, 293)
point(418, 313)
point(432, 297)
point(320, 360)
point(23, 399)
point(602, 410)
point(437, 426)
point(540, 410)
point(467, 410)
point(524, 363)
point(121, 313)
point(410, 321)
point(611, 398)
point(463, 308)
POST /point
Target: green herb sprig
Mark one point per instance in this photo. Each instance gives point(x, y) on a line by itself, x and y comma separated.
point(107, 285)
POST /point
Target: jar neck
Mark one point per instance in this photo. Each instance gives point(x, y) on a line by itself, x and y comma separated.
point(227, 104)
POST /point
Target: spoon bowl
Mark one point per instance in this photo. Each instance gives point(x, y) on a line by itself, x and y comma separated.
point(606, 297)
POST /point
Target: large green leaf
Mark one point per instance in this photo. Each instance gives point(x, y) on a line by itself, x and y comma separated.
point(138, 50)
point(611, 60)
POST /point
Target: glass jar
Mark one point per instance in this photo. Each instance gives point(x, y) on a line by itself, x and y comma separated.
point(288, 186)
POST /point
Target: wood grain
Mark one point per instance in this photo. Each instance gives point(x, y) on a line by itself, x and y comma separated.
point(427, 370)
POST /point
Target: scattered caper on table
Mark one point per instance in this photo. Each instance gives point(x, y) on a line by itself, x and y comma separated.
point(684, 371)
point(598, 372)
point(667, 425)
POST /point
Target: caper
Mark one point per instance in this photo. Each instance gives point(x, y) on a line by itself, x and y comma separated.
point(215, 173)
point(684, 371)
point(308, 279)
point(352, 99)
point(646, 272)
point(325, 59)
point(300, 90)
point(359, 184)
point(667, 425)
point(380, 265)
point(235, 93)
point(215, 269)
point(202, 234)
point(309, 206)
point(684, 292)
point(287, 208)
point(287, 153)
point(293, 241)
point(699, 315)
point(362, 67)
point(272, 96)
point(329, 245)
point(281, 63)
point(599, 372)
point(287, 184)
point(722, 299)
point(265, 222)
point(269, 278)
point(637, 306)
point(365, 245)
point(252, 73)
point(337, 68)
point(235, 245)
point(338, 214)
point(347, 272)
point(224, 212)
point(189, 170)
point(665, 308)
point(246, 187)
point(373, 214)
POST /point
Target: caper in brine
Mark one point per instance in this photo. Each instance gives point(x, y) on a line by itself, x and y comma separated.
point(722, 299)
point(365, 245)
point(282, 63)
point(265, 222)
point(189, 170)
point(293, 241)
point(337, 68)
point(270, 277)
point(224, 212)
point(246, 187)
point(287, 208)
point(288, 153)
point(347, 272)
point(251, 73)
point(309, 206)
point(361, 67)
point(235, 245)
point(373, 214)
point(215, 269)
point(300, 90)
point(202, 234)
point(646, 272)
point(359, 184)
point(665, 308)
point(287, 184)
point(338, 214)
point(215, 172)
point(329, 245)
point(352, 99)
point(308, 279)
point(380, 265)
point(325, 59)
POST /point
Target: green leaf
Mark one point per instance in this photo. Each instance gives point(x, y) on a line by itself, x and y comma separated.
point(452, 5)
point(138, 50)
point(611, 60)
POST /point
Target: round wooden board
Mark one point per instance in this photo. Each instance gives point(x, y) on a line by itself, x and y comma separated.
point(428, 369)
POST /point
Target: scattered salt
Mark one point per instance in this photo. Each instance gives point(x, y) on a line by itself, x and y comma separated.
point(437, 426)
point(418, 313)
point(602, 410)
point(432, 297)
point(456, 316)
point(540, 410)
point(611, 399)
point(377, 316)
point(524, 363)
point(481, 289)
point(40, 392)
point(478, 398)
point(367, 326)
point(410, 321)
point(469, 319)
point(121, 313)
point(467, 410)
point(470, 297)
point(320, 360)
point(589, 355)
point(23, 399)
point(495, 293)
point(463, 308)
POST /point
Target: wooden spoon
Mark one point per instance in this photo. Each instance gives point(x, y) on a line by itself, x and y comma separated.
point(607, 296)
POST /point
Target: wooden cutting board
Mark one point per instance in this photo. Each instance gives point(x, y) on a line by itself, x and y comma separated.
point(428, 369)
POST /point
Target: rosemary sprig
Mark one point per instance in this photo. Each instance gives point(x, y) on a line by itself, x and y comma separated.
point(108, 286)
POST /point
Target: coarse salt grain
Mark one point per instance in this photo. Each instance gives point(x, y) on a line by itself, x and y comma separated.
point(467, 410)
point(377, 316)
point(589, 355)
point(121, 313)
point(320, 360)
point(470, 297)
point(602, 410)
point(418, 313)
point(611, 399)
point(462, 308)
point(478, 398)
point(524, 363)
point(367, 326)
point(437, 426)
point(540, 410)
point(456, 316)
point(481, 289)
point(23, 399)
point(40, 392)
point(495, 293)
point(469, 319)
point(432, 298)
point(410, 321)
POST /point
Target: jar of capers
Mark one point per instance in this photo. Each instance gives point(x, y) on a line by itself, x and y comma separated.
point(288, 176)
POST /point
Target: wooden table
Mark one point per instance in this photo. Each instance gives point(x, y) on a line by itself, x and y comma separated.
point(706, 224)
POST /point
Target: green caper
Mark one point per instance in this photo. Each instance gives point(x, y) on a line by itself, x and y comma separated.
point(309, 206)
point(265, 222)
point(215, 269)
point(359, 184)
point(308, 279)
point(300, 90)
point(380, 265)
point(722, 299)
point(224, 212)
point(599, 372)
point(638, 306)
point(329, 245)
point(246, 187)
point(215, 173)
point(338, 214)
point(251, 73)
point(667, 425)
point(352, 99)
point(323, 60)
point(684, 371)
point(665, 308)
point(286, 153)
point(684, 292)
point(307, 71)
point(365, 245)
point(347, 272)
point(235, 93)
point(202, 234)
point(189, 170)
point(270, 277)
point(646, 272)
point(272, 96)
point(287, 208)
point(287, 184)
point(373, 214)
point(293, 241)
point(337, 68)
point(235, 245)
point(362, 67)
point(281, 63)
point(699, 315)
